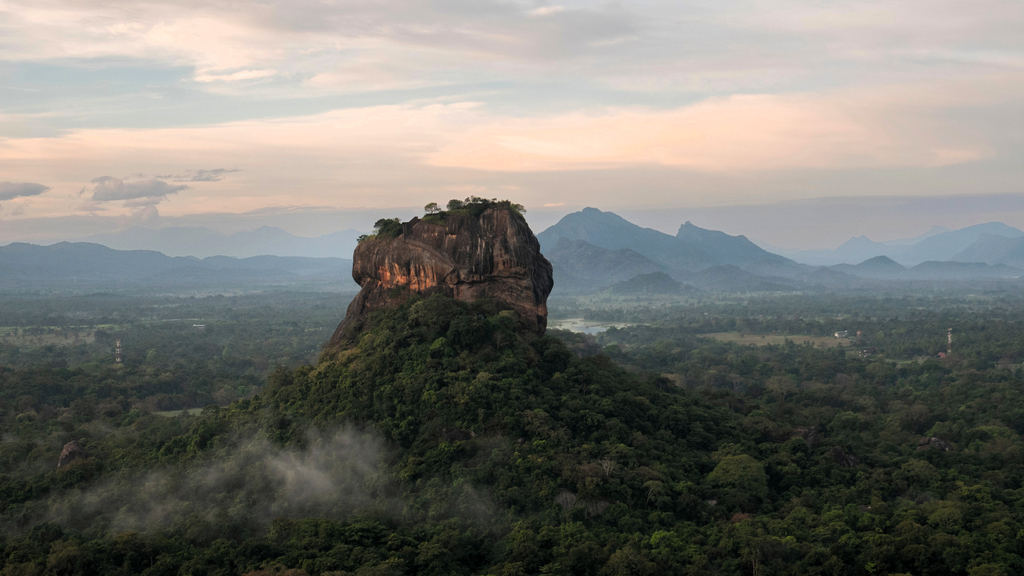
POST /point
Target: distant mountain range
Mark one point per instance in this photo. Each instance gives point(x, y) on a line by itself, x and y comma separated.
point(203, 242)
point(938, 245)
point(592, 250)
point(610, 249)
point(87, 266)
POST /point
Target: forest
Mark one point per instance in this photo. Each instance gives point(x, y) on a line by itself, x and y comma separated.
point(442, 442)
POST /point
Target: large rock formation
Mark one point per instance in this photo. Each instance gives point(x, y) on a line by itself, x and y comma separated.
point(494, 255)
point(72, 451)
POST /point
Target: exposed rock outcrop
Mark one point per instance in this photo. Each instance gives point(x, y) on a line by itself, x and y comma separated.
point(933, 442)
point(494, 255)
point(808, 433)
point(844, 460)
point(72, 451)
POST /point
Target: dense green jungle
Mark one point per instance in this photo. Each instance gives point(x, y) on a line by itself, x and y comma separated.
point(707, 434)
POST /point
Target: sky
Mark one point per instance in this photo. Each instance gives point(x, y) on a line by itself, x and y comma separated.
point(799, 124)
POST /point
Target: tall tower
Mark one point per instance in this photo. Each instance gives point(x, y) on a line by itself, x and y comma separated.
point(117, 351)
point(949, 343)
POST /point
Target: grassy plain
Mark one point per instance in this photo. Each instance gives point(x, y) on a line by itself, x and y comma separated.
point(48, 336)
point(769, 339)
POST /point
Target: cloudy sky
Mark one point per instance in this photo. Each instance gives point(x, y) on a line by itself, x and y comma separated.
point(117, 113)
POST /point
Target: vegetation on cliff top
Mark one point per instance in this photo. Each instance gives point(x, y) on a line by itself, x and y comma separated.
point(473, 206)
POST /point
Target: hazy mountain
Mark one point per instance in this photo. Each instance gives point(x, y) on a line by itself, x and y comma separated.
point(731, 278)
point(85, 265)
point(579, 265)
point(962, 271)
point(650, 284)
point(690, 250)
point(947, 245)
point(938, 244)
point(884, 268)
point(881, 267)
point(992, 249)
point(934, 231)
point(203, 242)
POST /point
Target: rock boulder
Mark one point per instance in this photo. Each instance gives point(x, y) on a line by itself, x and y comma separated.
point(72, 451)
point(494, 255)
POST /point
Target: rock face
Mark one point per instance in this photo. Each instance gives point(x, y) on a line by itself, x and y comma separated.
point(72, 451)
point(933, 443)
point(494, 256)
point(844, 460)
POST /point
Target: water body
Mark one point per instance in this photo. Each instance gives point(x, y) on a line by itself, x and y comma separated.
point(583, 326)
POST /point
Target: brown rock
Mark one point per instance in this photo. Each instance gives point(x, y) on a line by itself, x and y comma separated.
point(933, 442)
point(494, 256)
point(72, 451)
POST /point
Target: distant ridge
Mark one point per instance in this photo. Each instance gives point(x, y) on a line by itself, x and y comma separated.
point(881, 267)
point(884, 268)
point(86, 265)
point(939, 244)
point(692, 249)
point(581, 266)
point(203, 242)
point(992, 249)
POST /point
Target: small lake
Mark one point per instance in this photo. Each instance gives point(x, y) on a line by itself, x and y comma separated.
point(583, 326)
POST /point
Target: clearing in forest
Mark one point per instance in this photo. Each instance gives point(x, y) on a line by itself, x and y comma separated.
point(767, 339)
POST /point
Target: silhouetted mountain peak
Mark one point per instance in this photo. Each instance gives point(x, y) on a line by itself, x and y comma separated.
point(881, 261)
point(691, 249)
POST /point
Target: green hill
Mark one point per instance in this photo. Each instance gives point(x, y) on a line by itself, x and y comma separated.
point(443, 443)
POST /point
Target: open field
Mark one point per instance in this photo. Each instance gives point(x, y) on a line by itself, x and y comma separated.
point(767, 339)
point(176, 413)
point(19, 337)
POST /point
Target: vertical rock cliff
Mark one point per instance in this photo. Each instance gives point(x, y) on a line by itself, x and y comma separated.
point(494, 255)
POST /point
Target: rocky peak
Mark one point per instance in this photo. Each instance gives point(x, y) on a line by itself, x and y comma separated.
point(492, 254)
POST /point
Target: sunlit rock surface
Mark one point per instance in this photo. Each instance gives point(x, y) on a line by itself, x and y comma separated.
point(494, 256)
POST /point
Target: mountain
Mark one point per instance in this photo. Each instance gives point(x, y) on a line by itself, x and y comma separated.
point(649, 284)
point(731, 278)
point(962, 271)
point(203, 242)
point(992, 249)
point(579, 265)
point(692, 249)
point(934, 231)
point(947, 245)
point(879, 267)
point(85, 265)
point(938, 244)
point(884, 268)
point(486, 252)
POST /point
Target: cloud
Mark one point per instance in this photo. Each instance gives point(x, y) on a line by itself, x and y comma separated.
point(214, 175)
point(903, 139)
point(12, 190)
point(143, 215)
point(305, 38)
point(737, 133)
point(91, 206)
point(235, 76)
point(108, 188)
